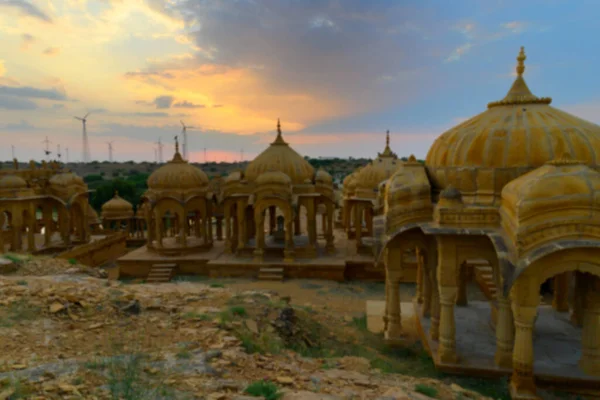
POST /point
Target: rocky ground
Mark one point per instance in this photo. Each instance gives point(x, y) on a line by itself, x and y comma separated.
point(68, 335)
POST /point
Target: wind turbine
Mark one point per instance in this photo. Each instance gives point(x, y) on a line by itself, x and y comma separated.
point(110, 150)
point(13, 151)
point(185, 141)
point(85, 154)
point(47, 149)
point(58, 152)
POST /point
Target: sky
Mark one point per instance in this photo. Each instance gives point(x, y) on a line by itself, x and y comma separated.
point(338, 73)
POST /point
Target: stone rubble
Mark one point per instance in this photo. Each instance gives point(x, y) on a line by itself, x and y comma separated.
point(63, 337)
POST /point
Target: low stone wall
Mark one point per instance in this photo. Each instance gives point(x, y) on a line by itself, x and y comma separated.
point(98, 252)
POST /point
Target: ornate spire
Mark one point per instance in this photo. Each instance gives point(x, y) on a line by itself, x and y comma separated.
point(521, 61)
point(519, 93)
point(279, 138)
point(387, 152)
point(177, 156)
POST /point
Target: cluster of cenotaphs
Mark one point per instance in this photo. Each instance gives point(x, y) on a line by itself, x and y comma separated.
point(513, 192)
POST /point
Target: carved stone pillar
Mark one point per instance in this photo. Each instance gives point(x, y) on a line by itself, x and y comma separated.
point(434, 328)
point(560, 302)
point(219, 228)
point(228, 231)
point(578, 299)
point(259, 251)
point(31, 237)
point(47, 218)
point(159, 222)
point(461, 298)
point(590, 338)
point(368, 215)
point(522, 383)
point(394, 315)
point(505, 334)
point(419, 292)
point(329, 247)
point(358, 225)
point(288, 252)
point(311, 222)
point(241, 217)
point(393, 275)
point(447, 346)
point(272, 219)
point(297, 229)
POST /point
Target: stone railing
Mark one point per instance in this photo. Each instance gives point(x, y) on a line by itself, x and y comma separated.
point(98, 252)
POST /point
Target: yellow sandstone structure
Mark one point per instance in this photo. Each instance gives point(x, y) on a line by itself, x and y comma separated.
point(363, 196)
point(177, 207)
point(277, 186)
point(41, 208)
point(512, 194)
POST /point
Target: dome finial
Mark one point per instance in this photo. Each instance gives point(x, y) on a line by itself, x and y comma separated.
point(521, 61)
point(176, 144)
point(279, 138)
point(387, 138)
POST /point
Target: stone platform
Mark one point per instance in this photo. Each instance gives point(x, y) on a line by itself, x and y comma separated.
point(557, 347)
point(342, 265)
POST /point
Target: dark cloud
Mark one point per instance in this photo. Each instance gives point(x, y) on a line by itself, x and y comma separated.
point(217, 105)
point(16, 103)
point(26, 8)
point(163, 102)
point(21, 126)
point(335, 50)
point(187, 104)
point(51, 51)
point(27, 40)
point(27, 91)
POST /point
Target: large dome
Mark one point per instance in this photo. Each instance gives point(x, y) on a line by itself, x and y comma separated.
point(279, 156)
point(513, 136)
point(177, 175)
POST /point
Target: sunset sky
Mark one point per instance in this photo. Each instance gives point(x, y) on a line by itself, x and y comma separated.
point(337, 72)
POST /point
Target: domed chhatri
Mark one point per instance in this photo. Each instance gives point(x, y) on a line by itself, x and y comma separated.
point(42, 207)
point(514, 135)
point(178, 209)
point(511, 197)
point(363, 200)
point(12, 182)
point(178, 176)
point(279, 156)
point(279, 183)
point(379, 170)
point(118, 206)
point(274, 177)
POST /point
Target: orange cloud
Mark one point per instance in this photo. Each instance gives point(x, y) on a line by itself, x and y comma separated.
point(219, 156)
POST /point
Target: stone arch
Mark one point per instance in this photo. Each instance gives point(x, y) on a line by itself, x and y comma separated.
point(259, 211)
point(198, 216)
point(392, 253)
point(531, 272)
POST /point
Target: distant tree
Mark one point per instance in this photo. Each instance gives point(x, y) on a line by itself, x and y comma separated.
point(92, 178)
point(106, 191)
point(115, 173)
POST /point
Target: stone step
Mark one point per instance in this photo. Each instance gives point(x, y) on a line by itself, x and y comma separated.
point(270, 277)
point(274, 269)
point(160, 273)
